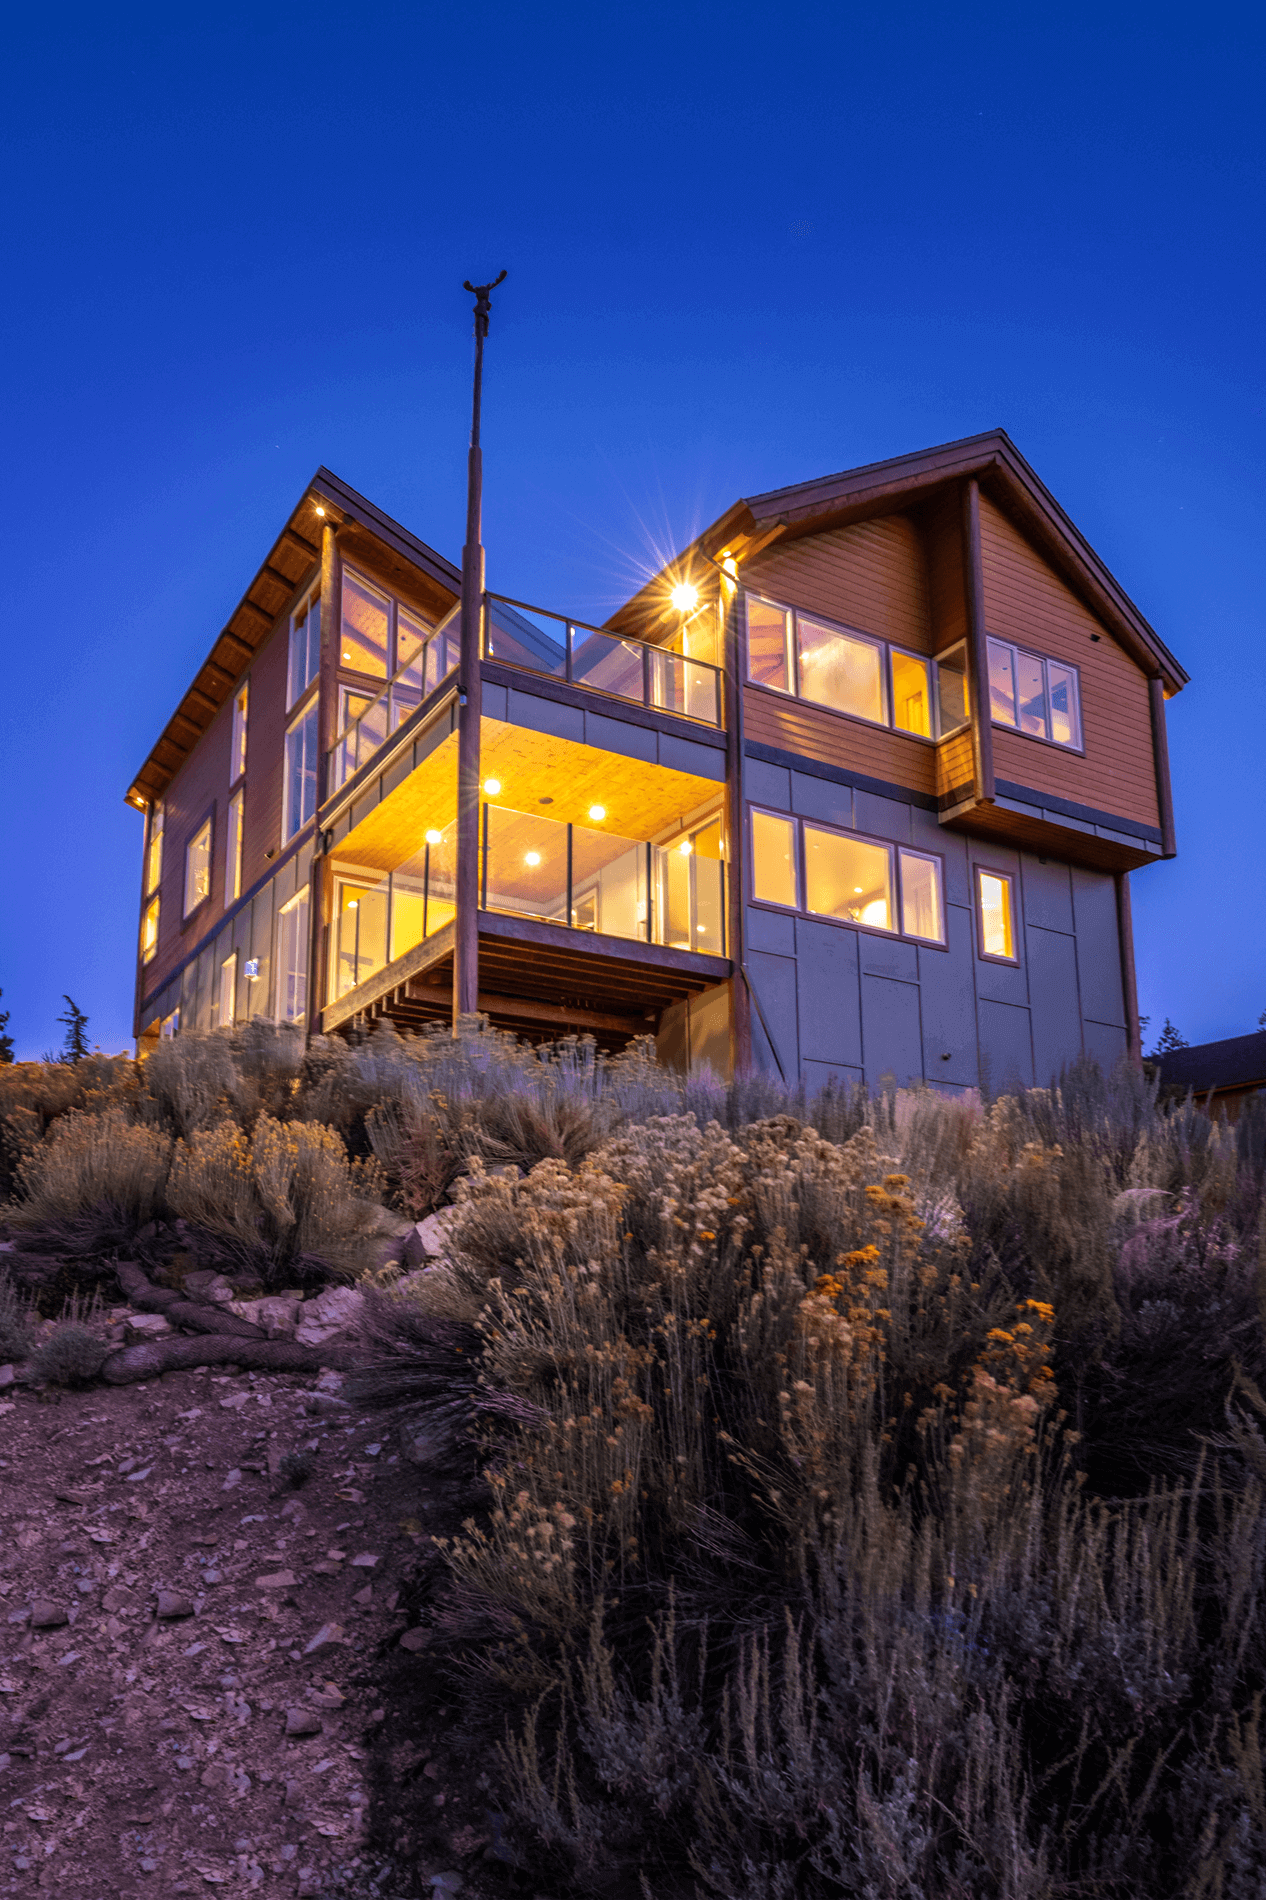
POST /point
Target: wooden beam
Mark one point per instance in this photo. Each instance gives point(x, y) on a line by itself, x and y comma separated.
point(1129, 981)
point(250, 606)
point(1160, 749)
point(977, 649)
point(532, 1010)
point(309, 547)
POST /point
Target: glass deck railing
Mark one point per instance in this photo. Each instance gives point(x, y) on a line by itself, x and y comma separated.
point(562, 649)
point(618, 887)
point(404, 693)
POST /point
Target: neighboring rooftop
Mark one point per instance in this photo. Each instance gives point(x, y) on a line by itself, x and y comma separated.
point(1237, 1065)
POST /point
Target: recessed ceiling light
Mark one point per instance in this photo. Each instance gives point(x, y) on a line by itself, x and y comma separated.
point(533, 858)
point(492, 786)
point(597, 813)
point(435, 837)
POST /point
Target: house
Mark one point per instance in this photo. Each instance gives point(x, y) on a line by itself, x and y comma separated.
point(854, 789)
point(1221, 1075)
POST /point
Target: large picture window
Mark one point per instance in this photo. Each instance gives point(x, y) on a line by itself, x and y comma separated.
point(198, 867)
point(855, 673)
point(851, 879)
point(1033, 694)
point(301, 773)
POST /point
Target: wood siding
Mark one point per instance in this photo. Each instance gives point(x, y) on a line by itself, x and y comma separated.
point(942, 525)
point(1027, 603)
point(795, 726)
point(955, 765)
point(872, 576)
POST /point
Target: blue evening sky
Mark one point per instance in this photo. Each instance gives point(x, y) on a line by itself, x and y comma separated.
point(747, 246)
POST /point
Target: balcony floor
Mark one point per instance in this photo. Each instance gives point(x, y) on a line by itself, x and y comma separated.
point(539, 980)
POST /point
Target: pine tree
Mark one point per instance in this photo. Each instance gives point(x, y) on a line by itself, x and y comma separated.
point(6, 1041)
point(76, 1047)
point(1170, 1038)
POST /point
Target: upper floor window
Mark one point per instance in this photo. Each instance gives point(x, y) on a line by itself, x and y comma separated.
point(305, 648)
point(292, 958)
point(378, 634)
point(233, 849)
point(301, 773)
point(1035, 695)
point(198, 867)
point(852, 879)
point(237, 744)
point(995, 915)
point(855, 673)
point(149, 929)
point(154, 847)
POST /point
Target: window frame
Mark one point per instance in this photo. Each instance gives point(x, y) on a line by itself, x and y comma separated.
point(154, 861)
point(425, 617)
point(308, 710)
point(223, 1021)
point(234, 817)
point(239, 732)
point(301, 899)
point(793, 615)
point(800, 908)
point(310, 599)
point(1009, 878)
point(205, 823)
point(1045, 661)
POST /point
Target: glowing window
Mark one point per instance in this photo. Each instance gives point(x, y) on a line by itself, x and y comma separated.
point(149, 930)
point(154, 849)
point(997, 927)
point(848, 878)
point(365, 633)
point(922, 907)
point(233, 850)
point(237, 745)
point(1001, 684)
point(911, 694)
point(774, 878)
point(198, 867)
point(305, 648)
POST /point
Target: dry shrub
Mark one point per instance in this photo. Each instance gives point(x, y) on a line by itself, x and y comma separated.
point(191, 1083)
point(15, 1322)
point(284, 1206)
point(786, 1575)
point(71, 1355)
point(34, 1095)
point(91, 1184)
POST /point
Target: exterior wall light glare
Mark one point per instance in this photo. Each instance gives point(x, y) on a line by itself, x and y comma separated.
point(435, 837)
point(684, 597)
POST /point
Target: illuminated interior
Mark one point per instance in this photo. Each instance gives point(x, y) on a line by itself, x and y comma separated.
point(198, 867)
point(769, 645)
point(848, 878)
point(773, 859)
point(911, 694)
point(853, 880)
point(997, 931)
point(841, 670)
point(365, 632)
point(570, 835)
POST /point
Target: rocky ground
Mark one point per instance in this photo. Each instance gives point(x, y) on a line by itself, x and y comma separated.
point(208, 1676)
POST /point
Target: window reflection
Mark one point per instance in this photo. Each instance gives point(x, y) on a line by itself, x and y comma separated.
point(1001, 684)
point(840, 670)
point(366, 627)
point(921, 914)
point(848, 878)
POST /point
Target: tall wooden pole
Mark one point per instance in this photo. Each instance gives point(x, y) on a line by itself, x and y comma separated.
point(470, 696)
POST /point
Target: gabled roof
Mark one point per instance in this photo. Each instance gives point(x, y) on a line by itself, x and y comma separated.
point(295, 554)
point(1238, 1062)
point(890, 487)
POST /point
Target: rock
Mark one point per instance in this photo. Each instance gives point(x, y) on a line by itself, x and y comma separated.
point(414, 1639)
point(47, 1615)
point(429, 1239)
point(276, 1580)
point(303, 1722)
point(142, 1326)
point(324, 1404)
point(275, 1314)
point(420, 1447)
point(448, 1882)
point(327, 1634)
point(171, 1604)
point(364, 1597)
point(330, 1380)
point(312, 1335)
point(330, 1312)
point(117, 1598)
point(210, 1287)
point(7, 1375)
point(366, 1560)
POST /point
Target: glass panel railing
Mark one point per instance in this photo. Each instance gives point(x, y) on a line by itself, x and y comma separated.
point(591, 880)
point(542, 642)
point(526, 636)
point(377, 918)
point(428, 663)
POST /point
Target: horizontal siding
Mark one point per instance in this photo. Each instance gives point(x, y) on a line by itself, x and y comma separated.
point(955, 762)
point(947, 597)
point(872, 576)
point(265, 755)
point(1028, 603)
point(814, 733)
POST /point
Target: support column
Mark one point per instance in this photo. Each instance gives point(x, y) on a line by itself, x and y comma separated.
point(977, 651)
point(1129, 982)
point(1160, 750)
point(470, 697)
point(319, 884)
point(731, 603)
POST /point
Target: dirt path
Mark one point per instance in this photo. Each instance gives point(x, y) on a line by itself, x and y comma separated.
point(192, 1653)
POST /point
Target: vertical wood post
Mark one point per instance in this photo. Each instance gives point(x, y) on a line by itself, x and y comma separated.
point(1129, 982)
point(977, 651)
point(731, 602)
point(1160, 749)
point(319, 883)
point(470, 696)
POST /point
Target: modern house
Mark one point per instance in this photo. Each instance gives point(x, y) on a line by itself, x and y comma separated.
point(854, 788)
point(1221, 1075)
